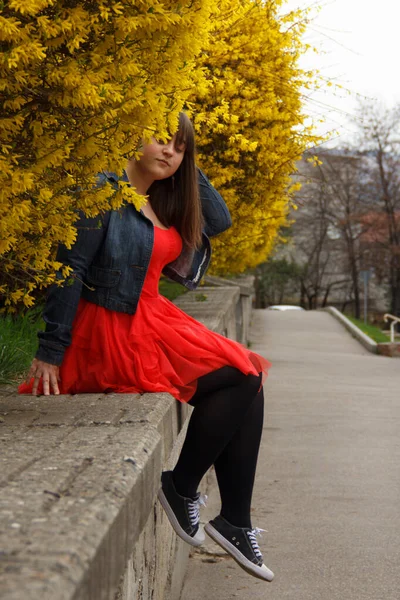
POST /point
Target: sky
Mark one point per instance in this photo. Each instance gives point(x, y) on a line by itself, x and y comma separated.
point(358, 44)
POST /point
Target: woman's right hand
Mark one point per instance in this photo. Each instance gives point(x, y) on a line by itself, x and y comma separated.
point(50, 374)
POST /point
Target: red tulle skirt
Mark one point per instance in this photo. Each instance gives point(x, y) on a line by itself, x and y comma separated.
point(158, 349)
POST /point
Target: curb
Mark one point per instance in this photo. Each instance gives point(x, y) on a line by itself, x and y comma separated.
point(364, 339)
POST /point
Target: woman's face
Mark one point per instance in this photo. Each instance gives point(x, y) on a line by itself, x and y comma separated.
point(161, 160)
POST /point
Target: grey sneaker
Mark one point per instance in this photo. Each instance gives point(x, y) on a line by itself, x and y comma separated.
point(183, 513)
point(241, 544)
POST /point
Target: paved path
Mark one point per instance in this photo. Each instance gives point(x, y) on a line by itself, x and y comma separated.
point(328, 481)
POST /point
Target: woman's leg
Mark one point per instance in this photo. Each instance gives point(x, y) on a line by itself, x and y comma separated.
point(236, 466)
point(225, 429)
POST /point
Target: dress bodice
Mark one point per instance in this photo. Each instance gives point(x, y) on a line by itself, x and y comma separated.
point(167, 247)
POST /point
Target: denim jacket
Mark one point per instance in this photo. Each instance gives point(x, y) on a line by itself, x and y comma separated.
point(110, 258)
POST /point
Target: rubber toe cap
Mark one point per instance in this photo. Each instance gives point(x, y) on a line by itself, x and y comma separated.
point(267, 573)
point(199, 536)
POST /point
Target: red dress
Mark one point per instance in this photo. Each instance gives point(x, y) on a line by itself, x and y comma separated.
point(158, 349)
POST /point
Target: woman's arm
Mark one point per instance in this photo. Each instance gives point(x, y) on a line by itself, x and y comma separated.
point(62, 301)
point(216, 214)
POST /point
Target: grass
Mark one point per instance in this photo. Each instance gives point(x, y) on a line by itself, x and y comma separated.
point(18, 343)
point(373, 332)
point(171, 289)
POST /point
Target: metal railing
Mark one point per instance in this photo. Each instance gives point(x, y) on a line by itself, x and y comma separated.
point(392, 324)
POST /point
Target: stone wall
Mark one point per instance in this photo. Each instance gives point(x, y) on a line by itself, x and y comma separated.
point(79, 478)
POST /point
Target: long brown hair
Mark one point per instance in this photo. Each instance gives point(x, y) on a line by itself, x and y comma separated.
point(176, 200)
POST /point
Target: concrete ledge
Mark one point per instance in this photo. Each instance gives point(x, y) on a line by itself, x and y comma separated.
point(389, 349)
point(364, 339)
point(245, 283)
point(78, 482)
point(214, 306)
point(79, 476)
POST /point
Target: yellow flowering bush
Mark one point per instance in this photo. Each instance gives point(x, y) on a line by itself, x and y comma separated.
point(81, 83)
point(249, 123)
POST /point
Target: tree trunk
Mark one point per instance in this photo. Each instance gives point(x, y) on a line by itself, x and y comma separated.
point(258, 294)
point(356, 289)
point(395, 294)
point(302, 294)
point(395, 290)
point(326, 296)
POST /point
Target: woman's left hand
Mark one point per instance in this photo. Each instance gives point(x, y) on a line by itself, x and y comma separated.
point(50, 375)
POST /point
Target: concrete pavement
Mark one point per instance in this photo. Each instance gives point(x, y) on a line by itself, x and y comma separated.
point(328, 480)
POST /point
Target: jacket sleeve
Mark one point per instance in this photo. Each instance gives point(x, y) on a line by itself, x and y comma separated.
point(216, 214)
point(62, 301)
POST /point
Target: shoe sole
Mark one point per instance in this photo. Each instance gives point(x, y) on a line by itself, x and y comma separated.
point(237, 555)
point(175, 523)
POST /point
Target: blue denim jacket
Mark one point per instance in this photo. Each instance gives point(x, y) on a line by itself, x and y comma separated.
point(110, 259)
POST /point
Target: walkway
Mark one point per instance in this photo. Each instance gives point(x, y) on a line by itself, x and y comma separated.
point(328, 482)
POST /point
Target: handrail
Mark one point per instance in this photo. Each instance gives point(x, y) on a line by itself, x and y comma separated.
point(392, 324)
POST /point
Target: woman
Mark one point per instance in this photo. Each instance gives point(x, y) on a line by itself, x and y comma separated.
point(108, 329)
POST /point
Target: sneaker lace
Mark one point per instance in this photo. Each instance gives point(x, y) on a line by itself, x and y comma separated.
point(194, 509)
point(252, 537)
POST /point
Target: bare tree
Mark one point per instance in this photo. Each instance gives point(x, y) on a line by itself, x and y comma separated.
point(348, 220)
point(327, 227)
point(347, 200)
point(380, 139)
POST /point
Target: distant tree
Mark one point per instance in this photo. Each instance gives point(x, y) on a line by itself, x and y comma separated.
point(346, 194)
point(313, 242)
point(276, 281)
point(331, 225)
point(379, 137)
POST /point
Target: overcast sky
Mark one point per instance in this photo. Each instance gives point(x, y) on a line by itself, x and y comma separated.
point(359, 48)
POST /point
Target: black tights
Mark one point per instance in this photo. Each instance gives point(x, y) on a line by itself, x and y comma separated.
point(225, 431)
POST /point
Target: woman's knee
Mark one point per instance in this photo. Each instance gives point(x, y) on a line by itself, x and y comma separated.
point(232, 376)
point(224, 378)
point(250, 384)
point(254, 383)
